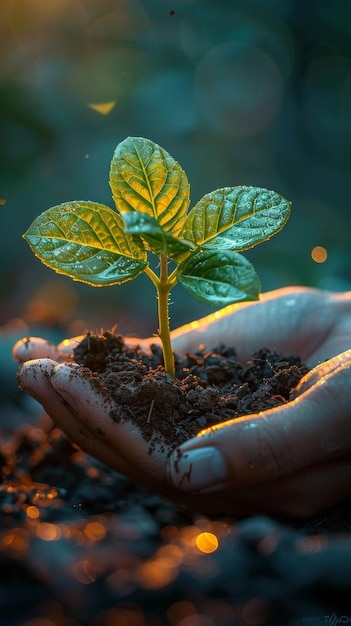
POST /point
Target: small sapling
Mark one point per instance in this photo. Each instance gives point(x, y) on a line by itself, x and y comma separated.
point(199, 249)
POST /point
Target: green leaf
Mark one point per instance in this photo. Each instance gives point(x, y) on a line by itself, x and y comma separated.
point(87, 242)
point(159, 241)
point(236, 218)
point(219, 278)
point(146, 179)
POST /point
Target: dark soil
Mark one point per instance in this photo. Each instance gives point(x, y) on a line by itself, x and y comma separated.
point(210, 386)
point(81, 545)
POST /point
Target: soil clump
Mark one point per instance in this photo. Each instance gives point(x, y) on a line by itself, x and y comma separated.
point(210, 386)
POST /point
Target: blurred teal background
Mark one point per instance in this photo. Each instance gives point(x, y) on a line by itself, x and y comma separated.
point(243, 92)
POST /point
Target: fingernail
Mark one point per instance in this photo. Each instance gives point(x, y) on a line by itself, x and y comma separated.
point(199, 469)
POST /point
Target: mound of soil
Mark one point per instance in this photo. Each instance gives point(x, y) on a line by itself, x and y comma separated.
point(210, 386)
point(81, 545)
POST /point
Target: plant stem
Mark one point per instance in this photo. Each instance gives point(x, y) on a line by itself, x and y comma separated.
point(163, 290)
point(163, 285)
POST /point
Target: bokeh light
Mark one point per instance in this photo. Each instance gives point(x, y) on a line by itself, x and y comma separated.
point(179, 611)
point(95, 531)
point(32, 512)
point(48, 532)
point(16, 542)
point(84, 571)
point(207, 542)
point(319, 254)
point(157, 573)
point(239, 89)
point(52, 303)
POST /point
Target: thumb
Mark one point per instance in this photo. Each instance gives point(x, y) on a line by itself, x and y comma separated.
point(315, 426)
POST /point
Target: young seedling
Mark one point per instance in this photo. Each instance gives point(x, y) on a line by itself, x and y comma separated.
point(199, 249)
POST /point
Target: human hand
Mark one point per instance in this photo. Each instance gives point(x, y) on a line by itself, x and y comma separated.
point(291, 460)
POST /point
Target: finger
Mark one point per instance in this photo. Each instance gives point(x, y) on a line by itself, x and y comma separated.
point(287, 320)
point(65, 349)
point(299, 496)
point(319, 374)
point(35, 378)
point(30, 348)
point(94, 409)
point(276, 317)
point(307, 492)
point(313, 428)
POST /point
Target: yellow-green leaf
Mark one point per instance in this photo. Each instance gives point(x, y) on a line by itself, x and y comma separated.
point(146, 179)
point(86, 241)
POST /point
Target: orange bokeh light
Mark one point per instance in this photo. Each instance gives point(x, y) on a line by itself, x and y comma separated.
point(48, 532)
point(156, 573)
point(32, 512)
point(95, 531)
point(319, 254)
point(206, 542)
point(85, 572)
